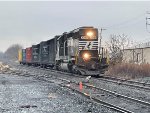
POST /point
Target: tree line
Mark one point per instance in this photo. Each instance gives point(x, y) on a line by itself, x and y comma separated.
point(12, 51)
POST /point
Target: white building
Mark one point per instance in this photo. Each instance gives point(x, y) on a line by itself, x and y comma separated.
point(138, 54)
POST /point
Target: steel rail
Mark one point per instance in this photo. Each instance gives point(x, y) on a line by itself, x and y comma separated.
point(106, 104)
point(104, 78)
point(126, 84)
point(119, 80)
point(125, 80)
point(120, 95)
point(108, 91)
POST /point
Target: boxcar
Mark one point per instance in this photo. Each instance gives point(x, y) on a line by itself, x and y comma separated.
point(23, 56)
point(44, 53)
point(29, 55)
point(35, 54)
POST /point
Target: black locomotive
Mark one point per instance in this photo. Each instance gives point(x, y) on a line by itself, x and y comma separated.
point(77, 51)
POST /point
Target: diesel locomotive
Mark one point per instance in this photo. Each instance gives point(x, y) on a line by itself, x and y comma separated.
point(77, 51)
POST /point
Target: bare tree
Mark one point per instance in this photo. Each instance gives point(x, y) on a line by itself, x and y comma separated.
point(12, 51)
point(116, 46)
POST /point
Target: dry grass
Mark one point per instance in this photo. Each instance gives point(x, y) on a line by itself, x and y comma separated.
point(127, 70)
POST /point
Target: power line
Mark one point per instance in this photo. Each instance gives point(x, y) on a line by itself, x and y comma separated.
point(129, 21)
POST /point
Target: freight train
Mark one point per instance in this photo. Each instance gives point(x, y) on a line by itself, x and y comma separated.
point(77, 51)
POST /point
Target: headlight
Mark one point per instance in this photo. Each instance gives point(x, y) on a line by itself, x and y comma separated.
point(86, 56)
point(90, 34)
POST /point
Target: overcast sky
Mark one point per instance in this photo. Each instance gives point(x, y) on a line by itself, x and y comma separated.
point(29, 22)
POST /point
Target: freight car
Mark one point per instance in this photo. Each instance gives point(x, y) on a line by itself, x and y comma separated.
point(48, 52)
point(35, 54)
point(29, 56)
point(76, 51)
point(22, 56)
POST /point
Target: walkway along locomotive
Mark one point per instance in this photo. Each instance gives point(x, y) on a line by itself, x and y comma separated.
point(76, 51)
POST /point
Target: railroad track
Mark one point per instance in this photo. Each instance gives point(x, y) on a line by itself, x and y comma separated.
point(92, 98)
point(119, 95)
point(107, 104)
point(131, 83)
point(136, 84)
point(119, 81)
point(141, 102)
point(108, 91)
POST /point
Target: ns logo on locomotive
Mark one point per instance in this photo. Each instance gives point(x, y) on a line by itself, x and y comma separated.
point(77, 51)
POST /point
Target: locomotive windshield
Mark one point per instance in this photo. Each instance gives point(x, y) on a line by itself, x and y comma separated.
point(89, 34)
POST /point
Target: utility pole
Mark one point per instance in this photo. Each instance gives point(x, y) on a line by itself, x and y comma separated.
point(100, 38)
point(147, 23)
